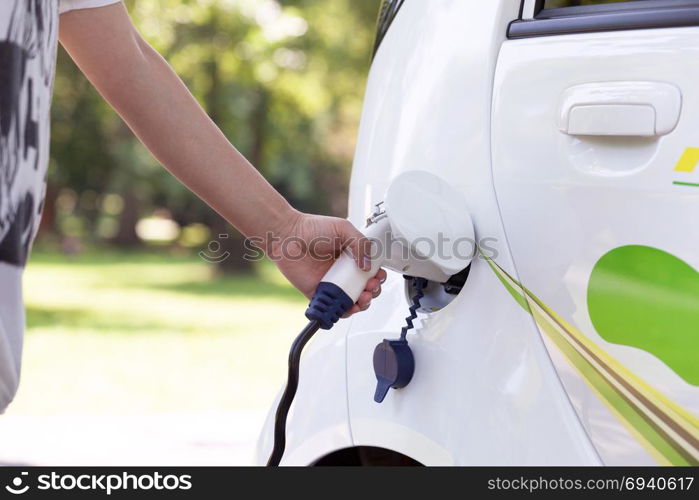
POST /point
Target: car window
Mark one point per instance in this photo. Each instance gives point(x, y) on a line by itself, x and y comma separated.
point(560, 17)
point(555, 4)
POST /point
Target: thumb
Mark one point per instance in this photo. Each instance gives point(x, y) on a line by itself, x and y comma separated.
point(358, 244)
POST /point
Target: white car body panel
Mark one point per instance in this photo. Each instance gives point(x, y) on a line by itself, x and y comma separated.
point(449, 94)
point(607, 192)
point(481, 379)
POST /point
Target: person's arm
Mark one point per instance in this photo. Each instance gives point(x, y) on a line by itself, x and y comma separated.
point(157, 106)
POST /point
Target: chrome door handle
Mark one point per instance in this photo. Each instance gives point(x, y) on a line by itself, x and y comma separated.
point(633, 108)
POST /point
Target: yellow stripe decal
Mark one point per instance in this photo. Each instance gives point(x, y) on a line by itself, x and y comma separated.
point(688, 161)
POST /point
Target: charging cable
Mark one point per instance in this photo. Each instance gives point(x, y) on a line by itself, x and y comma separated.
point(292, 384)
point(393, 360)
point(327, 306)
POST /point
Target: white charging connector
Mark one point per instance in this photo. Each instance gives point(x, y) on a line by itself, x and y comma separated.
point(424, 230)
point(345, 273)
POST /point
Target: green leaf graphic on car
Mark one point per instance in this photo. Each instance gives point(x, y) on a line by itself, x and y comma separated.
point(647, 298)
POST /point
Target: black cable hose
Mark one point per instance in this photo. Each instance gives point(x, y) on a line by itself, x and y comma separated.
point(292, 383)
point(420, 284)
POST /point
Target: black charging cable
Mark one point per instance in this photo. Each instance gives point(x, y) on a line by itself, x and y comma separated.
point(328, 304)
point(292, 384)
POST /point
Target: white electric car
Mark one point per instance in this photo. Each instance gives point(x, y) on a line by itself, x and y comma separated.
point(573, 132)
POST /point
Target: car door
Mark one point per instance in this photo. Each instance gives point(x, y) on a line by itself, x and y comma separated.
point(595, 144)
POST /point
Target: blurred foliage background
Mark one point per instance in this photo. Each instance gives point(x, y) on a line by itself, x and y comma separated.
point(283, 80)
point(127, 325)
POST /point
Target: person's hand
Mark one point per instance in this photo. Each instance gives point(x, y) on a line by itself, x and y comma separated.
point(307, 245)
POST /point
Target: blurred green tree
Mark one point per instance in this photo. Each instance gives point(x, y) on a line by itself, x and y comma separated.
point(283, 80)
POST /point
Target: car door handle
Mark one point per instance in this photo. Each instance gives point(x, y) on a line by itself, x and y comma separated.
point(633, 108)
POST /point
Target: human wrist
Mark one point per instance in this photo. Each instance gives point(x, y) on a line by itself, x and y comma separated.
point(283, 225)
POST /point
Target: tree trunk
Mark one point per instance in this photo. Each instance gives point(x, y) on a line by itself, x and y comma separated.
point(258, 125)
point(126, 236)
point(229, 250)
point(47, 226)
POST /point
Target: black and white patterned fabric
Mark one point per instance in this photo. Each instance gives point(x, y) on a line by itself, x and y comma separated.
point(28, 40)
point(28, 30)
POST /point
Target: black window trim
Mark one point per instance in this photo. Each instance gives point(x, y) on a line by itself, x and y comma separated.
point(384, 21)
point(633, 14)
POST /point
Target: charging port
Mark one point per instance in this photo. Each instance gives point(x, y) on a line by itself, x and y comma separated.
point(437, 295)
point(455, 283)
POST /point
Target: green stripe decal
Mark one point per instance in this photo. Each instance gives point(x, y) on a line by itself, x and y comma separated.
point(668, 432)
point(680, 183)
point(517, 295)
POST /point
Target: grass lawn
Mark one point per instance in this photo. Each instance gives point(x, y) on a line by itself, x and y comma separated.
point(149, 332)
